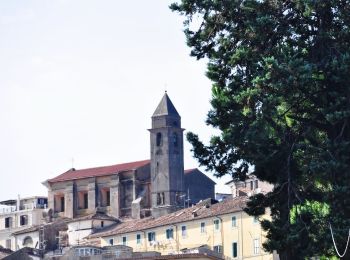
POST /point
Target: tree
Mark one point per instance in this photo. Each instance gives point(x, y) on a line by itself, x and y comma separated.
point(281, 100)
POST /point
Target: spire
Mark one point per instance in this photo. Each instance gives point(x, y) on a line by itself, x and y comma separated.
point(166, 108)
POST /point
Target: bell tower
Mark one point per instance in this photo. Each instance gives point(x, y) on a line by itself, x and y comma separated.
point(167, 160)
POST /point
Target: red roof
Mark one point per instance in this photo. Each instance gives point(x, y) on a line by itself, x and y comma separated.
point(202, 210)
point(73, 174)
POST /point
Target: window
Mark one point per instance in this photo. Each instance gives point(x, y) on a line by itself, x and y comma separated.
point(111, 242)
point(102, 224)
point(159, 139)
point(255, 219)
point(175, 139)
point(108, 198)
point(234, 221)
point(23, 220)
point(169, 233)
point(256, 248)
point(234, 250)
point(83, 200)
point(218, 249)
point(86, 201)
point(202, 227)
point(183, 231)
point(8, 243)
point(160, 198)
point(151, 236)
point(87, 251)
point(256, 184)
point(216, 224)
point(138, 239)
point(62, 203)
point(251, 185)
point(28, 241)
point(8, 222)
point(124, 241)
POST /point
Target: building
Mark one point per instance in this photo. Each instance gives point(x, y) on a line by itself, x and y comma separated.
point(222, 227)
point(252, 185)
point(222, 196)
point(17, 215)
point(125, 252)
point(79, 228)
point(42, 237)
point(195, 192)
point(137, 189)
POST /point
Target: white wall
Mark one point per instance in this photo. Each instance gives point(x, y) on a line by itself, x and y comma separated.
point(34, 235)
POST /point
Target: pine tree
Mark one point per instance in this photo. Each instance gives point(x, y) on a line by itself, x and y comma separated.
point(281, 100)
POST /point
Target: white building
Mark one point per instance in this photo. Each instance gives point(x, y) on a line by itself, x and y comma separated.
point(79, 228)
point(20, 214)
point(252, 185)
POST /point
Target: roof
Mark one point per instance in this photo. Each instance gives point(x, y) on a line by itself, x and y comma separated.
point(26, 230)
point(97, 215)
point(8, 202)
point(201, 210)
point(166, 107)
point(23, 254)
point(176, 256)
point(57, 224)
point(74, 174)
point(249, 176)
point(196, 170)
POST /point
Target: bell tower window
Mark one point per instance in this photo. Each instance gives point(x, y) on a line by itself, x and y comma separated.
point(160, 198)
point(159, 139)
point(175, 139)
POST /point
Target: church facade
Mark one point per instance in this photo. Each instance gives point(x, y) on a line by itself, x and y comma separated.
point(136, 189)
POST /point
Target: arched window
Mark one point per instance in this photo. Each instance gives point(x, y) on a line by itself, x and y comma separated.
point(175, 139)
point(28, 241)
point(159, 139)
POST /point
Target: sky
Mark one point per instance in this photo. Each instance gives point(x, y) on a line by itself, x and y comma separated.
point(80, 80)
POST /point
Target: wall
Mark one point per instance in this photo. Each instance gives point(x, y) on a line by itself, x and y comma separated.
point(123, 189)
point(78, 230)
point(33, 235)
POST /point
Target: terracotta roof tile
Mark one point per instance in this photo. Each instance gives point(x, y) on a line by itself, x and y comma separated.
point(201, 210)
point(73, 174)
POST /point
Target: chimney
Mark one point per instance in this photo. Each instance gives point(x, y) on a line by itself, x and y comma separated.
point(18, 203)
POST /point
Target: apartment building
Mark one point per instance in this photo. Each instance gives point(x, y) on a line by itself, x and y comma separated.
point(20, 214)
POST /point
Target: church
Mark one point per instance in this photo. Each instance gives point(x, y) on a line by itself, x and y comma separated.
point(153, 187)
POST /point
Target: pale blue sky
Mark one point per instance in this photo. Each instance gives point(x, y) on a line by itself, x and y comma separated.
point(81, 79)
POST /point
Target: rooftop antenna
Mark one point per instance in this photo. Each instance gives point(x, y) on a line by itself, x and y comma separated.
point(165, 87)
point(72, 162)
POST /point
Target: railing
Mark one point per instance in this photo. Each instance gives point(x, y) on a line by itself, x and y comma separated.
point(7, 210)
point(10, 209)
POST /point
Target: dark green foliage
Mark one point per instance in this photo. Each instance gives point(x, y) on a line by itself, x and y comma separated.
point(281, 99)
